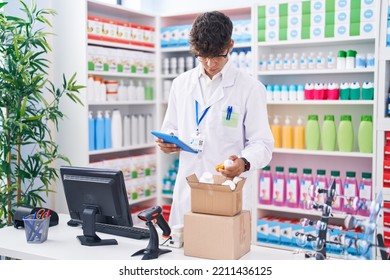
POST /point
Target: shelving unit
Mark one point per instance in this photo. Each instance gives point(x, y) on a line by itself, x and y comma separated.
point(73, 57)
point(335, 160)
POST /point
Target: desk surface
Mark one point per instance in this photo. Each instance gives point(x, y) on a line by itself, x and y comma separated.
point(62, 244)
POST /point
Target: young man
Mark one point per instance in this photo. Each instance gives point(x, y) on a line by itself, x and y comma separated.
point(220, 110)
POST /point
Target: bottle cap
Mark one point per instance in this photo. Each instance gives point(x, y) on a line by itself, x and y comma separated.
point(341, 53)
point(351, 53)
point(306, 171)
point(345, 118)
point(335, 173)
point(366, 118)
point(312, 118)
point(328, 118)
point(267, 168)
point(279, 169)
point(292, 170)
point(366, 175)
point(321, 172)
point(351, 173)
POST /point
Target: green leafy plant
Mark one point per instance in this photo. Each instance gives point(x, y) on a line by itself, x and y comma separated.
point(29, 114)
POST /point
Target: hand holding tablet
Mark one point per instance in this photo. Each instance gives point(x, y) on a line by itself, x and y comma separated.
point(169, 138)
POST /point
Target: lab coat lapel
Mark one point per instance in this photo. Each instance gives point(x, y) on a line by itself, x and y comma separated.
point(228, 80)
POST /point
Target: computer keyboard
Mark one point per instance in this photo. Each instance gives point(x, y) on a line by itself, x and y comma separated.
point(124, 231)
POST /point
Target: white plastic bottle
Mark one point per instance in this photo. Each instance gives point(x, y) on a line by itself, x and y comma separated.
point(271, 62)
point(180, 65)
point(295, 61)
point(126, 131)
point(284, 93)
point(300, 92)
point(311, 61)
point(292, 93)
point(116, 129)
point(90, 89)
point(103, 92)
point(122, 91)
point(287, 62)
point(331, 61)
point(242, 60)
point(248, 61)
point(234, 57)
point(277, 93)
point(131, 91)
point(263, 63)
point(303, 61)
point(140, 91)
point(320, 61)
point(270, 93)
point(279, 62)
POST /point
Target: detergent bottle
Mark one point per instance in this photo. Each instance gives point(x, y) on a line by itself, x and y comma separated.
point(265, 186)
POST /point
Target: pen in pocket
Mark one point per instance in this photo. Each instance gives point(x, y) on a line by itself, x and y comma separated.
point(229, 112)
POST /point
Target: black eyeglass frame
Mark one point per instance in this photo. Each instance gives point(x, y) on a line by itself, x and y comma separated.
point(214, 57)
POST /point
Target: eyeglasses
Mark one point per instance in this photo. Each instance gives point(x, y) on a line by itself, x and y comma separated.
point(214, 58)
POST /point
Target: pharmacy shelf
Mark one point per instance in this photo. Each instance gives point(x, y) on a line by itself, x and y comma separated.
point(323, 153)
point(187, 48)
point(123, 103)
point(323, 102)
point(319, 42)
point(120, 45)
point(315, 71)
point(310, 212)
point(169, 76)
point(122, 149)
point(121, 75)
point(296, 250)
point(385, 54)
point(118, 10)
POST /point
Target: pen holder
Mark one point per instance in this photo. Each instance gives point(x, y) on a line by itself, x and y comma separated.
point(36, 229)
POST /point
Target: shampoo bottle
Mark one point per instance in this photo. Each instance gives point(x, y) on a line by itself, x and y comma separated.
point(338, 199)
point(107, 130)
point(287, 134)
point(265, 186)
point(91, 132)
point(299, 134)
point(320, 182)
point(292, 188)
point(345, 136)
point(312, 133)
point(305, 183)
point(99, 131)
point(279, 187)
point(365, 194)
point(365, 134)
point(350, 193)
point(116, 129)
point(328, 133)
point(276, 132)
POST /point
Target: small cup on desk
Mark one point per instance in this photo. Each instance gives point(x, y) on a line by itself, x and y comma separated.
point(36, 229)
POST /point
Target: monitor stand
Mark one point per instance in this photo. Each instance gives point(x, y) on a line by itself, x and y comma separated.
point(90, 238)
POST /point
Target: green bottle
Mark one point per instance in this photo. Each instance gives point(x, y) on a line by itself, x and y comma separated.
point(312, 133)
point(365, 134)
point(328, 134)
point(345, 137)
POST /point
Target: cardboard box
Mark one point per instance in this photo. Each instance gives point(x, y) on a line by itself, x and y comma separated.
point(215, 199)
point(217, 237)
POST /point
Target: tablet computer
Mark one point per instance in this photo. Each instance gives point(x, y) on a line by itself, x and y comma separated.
point(169, 138)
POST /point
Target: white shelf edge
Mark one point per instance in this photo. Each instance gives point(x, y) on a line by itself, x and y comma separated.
point(117, 8)
point(330, 41)
point(123, 103)
point(315, 72)
point(323, 153)
point(187, 48)
point(123, 75)
point(294, 249)
point(298, 211)
point(138, 200)
point(122, 149)
point(323, 102)
point(169, 76)
point(120, 45)
point(386, 194)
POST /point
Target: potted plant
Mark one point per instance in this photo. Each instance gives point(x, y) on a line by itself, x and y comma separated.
point(29, 110)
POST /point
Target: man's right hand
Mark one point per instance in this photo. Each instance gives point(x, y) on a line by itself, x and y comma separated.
point(167, 147)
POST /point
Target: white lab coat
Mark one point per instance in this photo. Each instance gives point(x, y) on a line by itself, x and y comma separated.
point(251, 138)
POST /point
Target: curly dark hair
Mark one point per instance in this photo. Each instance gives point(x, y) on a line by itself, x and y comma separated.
point(210, 34)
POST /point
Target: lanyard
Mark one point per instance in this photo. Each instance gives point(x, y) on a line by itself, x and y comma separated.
point(197, 114)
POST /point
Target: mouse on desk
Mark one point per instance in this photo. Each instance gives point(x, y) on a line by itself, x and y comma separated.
point(72, 223)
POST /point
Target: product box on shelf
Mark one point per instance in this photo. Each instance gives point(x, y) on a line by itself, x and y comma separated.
point(262, 229)
point(217, 237)
point(215, 199)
